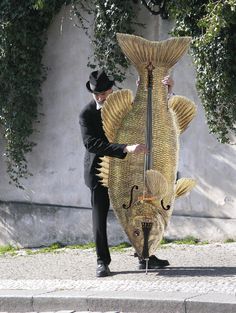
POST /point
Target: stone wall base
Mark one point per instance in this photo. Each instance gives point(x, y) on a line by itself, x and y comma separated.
point(36, 225)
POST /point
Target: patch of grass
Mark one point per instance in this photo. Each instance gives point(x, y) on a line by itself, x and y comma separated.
point(89, 245)
point(229, 240)
point(165, 241)
point(121, 247)
point(58, 247)
point(30, 252)
point(189, 240)
point(203, 242)
point(53, 248)
point(8, 250)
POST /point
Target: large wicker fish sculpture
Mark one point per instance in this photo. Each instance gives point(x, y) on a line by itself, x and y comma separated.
point(143, 188)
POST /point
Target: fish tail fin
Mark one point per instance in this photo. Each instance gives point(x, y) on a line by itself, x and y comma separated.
point(183, 186)
point(160, 53)
point(184, 109)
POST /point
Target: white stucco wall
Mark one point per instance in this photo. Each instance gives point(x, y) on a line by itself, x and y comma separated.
point(57, 160)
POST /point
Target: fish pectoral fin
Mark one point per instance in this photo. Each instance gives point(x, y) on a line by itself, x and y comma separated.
point(156, 183)
point(184, 109)
point(183, 186)
point(115, 108)
point(104, 170)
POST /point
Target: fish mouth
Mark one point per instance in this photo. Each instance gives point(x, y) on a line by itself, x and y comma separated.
point(145, 232)
point(146, 228)
point(143, 229)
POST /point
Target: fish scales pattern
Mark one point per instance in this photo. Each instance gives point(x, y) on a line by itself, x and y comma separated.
point(168, 120)
point(130, 172)
point(165, 152)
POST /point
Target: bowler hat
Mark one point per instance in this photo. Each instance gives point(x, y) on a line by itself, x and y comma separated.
point(99, 82)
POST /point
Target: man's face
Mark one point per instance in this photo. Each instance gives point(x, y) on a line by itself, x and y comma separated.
point(101, 97)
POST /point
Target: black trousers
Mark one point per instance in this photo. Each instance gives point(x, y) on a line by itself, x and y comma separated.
point(100, 205)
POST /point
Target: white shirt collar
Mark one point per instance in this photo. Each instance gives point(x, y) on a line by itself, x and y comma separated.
point(98, 105)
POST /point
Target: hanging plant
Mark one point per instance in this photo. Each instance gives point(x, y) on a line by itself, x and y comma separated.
point(212, 24)
point(108, 18)
point(23, 27)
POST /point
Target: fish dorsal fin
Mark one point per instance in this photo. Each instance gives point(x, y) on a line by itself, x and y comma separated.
point(160, 53)
point(184, 109)
point(115, 108)
point(183, 186)
point(156, 183)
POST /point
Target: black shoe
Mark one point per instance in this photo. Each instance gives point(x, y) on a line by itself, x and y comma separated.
point(102, 270)
point(153, 263)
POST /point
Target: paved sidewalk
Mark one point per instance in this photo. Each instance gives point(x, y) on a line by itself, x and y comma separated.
point(200, 279)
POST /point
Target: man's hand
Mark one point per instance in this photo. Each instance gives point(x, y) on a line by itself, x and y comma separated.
point(139, 148)
point(169, 82)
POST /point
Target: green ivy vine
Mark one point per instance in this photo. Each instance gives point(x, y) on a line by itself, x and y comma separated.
point(109, 17)
point(212, 24)
point(23, 29)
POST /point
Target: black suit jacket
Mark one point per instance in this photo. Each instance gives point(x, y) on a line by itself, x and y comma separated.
point(96, 143)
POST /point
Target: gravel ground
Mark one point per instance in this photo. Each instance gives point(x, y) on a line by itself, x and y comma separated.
point(208, 268)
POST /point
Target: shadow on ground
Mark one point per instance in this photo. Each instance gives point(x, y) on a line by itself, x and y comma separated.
point(188, 271)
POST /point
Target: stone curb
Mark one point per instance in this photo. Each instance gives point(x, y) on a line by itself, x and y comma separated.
point(138, 302)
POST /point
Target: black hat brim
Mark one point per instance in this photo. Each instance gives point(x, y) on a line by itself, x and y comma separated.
point(108, 86)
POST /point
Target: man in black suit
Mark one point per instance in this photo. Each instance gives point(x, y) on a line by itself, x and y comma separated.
point(97, 145)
